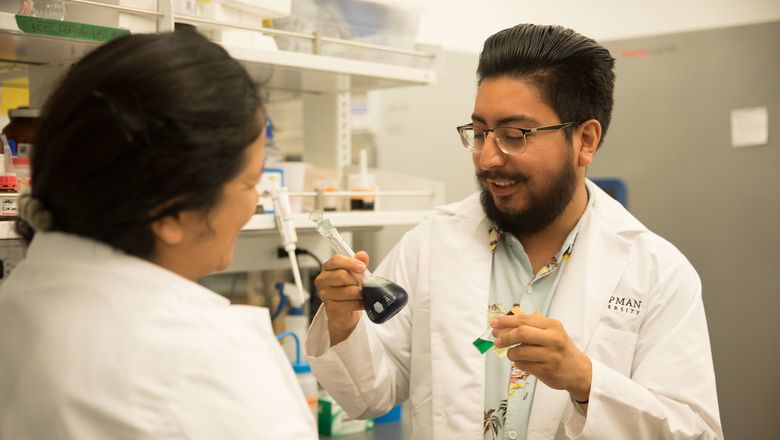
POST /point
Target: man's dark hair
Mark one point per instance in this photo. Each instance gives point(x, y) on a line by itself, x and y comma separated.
point(573, 73)
point(143, 127)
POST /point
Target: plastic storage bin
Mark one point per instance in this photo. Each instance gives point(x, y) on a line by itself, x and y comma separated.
point(369, 21)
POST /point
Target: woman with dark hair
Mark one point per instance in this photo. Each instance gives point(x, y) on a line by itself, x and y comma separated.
point(144, 172)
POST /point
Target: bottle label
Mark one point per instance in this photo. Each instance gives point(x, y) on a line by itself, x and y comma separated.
point(8, 207)
point(23, 150)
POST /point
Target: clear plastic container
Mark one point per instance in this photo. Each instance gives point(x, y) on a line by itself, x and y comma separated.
point(369, 21)
point(51, 9)
point(308, 384)
point(306, 379)
point(23, 176)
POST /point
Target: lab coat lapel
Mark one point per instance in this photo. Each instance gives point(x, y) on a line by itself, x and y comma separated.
point(460, 279)
point(596, 264)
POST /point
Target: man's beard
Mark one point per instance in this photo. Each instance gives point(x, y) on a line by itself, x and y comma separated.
point(542, 210)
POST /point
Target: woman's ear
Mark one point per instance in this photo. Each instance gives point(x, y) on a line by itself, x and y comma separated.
point(590, 135)
point(169, 230)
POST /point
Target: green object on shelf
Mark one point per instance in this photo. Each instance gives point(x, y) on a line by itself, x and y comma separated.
point(483, 345)
point(68, 29)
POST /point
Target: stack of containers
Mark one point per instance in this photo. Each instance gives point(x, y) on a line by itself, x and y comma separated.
point(8, 200)
point(17, 144)
point(393, 23)
point(240, 12)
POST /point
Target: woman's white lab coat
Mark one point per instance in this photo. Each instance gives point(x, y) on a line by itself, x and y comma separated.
point(627, 298)
point(95, 344)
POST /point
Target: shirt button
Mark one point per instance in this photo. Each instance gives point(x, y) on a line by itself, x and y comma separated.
point(529, 289)
point(512, 435)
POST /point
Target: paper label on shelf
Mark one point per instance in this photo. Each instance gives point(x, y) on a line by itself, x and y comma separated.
point(749, 126)
point(67, 29)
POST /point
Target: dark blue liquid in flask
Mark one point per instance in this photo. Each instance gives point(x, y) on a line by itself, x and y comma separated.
point(382, 299)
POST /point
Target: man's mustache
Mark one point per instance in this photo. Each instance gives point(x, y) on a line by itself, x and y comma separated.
point(482, 176)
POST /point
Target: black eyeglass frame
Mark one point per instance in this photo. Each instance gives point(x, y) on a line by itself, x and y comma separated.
point(498, 140)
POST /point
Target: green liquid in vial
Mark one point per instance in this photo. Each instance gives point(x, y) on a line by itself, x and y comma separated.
point(483, 345)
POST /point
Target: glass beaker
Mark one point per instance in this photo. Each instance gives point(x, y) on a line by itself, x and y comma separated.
point(382, 298)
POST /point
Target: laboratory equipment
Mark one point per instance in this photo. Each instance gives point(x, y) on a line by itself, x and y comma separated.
point(333, 421)
point(286, 227)
point(268, 181)
point(272, 152)
point(8, 185)
point(303, 374)
point(486, 340)
point(322, 187)
point(22, 170)
point(20, 130)
point(51, 9)
point(362, 182)
point(382, 298)
point(296, 321)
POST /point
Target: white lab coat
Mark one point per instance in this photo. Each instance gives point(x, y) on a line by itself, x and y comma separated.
point(95, 344)
point(652, 371)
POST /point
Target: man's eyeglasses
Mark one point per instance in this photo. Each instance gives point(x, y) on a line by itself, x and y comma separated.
point(510, 140)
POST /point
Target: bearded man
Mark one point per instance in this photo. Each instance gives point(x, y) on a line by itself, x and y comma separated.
point(597, 323)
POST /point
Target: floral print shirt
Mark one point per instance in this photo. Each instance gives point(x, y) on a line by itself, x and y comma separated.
point(509, 390)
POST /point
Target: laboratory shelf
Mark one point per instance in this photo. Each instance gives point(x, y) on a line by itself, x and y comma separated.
point(7, 230)
point(343, 220)
point(38, 42)
point(349, 220)
point(35, 41)
point(299, 72)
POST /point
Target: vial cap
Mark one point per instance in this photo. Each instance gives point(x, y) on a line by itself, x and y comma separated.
point(8, 181)
point(301, 368)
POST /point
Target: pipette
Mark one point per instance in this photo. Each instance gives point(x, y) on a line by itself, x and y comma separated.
point(382, 298)
point(286, 227)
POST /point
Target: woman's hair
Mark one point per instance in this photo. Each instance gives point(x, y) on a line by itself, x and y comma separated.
point(574, 73)
point(141, 128)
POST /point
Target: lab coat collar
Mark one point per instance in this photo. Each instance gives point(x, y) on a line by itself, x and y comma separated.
point(73, 249)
